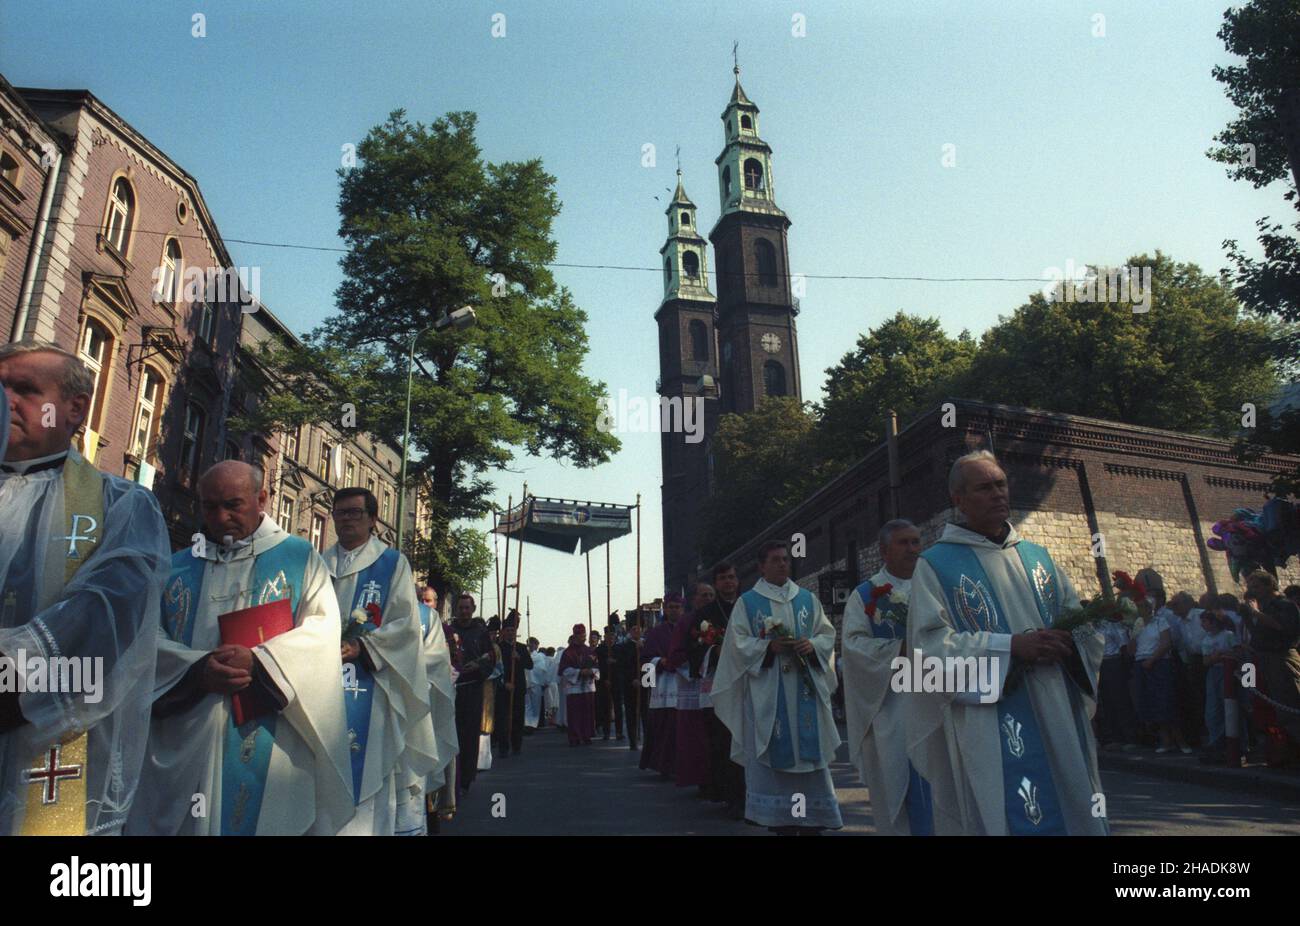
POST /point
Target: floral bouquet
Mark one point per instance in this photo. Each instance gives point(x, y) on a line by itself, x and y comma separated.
point(894, 607)
point(707, 635)
point(361, 622)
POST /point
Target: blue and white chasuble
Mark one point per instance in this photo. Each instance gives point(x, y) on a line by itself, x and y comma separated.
point(278, 573)
point(358, 681)
point(781, 750)
point(1044, 761)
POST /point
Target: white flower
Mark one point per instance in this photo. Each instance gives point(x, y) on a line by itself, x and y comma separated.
point(358, 616)
point(704, 626)
point(770, 622)
point(898, 596)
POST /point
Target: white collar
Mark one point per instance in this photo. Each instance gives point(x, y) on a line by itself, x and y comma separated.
point(777, 592)
point(343, 562)
point(267, 535)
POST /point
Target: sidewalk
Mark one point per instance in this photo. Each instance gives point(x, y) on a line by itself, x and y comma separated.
point(1255, 778)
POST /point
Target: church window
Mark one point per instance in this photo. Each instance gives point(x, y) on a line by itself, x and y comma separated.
point(686, 220)
point(773, 378)
point(765, 256)
point(699, 341)
point(691, 265)
point(753, 174)
point(726, 183)
point(746, 122)
point(668, 273)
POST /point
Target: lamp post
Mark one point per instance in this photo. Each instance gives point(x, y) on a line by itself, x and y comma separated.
point(463, 317)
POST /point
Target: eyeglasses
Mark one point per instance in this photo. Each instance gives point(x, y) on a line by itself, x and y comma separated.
point(348, 514)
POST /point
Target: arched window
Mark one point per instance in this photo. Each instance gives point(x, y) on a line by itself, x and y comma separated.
point(668, 273)
point(746, 122)
point(773, 378)
point(699, 341)
point(753, 174)
point(121, 212)
point(765, 257)
point(686, 220)
point(726, 183)
point(691, 265)
point(169, 274)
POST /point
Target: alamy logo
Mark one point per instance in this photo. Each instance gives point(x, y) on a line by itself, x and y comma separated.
point(635, 415)
point(1099, 284)
point(76, 878)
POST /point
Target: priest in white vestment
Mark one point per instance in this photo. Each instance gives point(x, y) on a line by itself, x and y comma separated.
point(83, 556)
point(438, 786)
point(875, 635)
point(533, 697)
point(559, 689)
point(286, 770)
point(772, 690)
point(1019, 758)
point(385, 682)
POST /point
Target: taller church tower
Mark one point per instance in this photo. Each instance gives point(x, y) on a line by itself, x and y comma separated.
point(731, 351)
point(756, 311)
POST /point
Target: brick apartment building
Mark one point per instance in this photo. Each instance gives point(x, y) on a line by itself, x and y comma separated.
point(108, 249)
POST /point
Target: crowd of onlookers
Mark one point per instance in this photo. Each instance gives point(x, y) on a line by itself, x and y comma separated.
point(1216, 673)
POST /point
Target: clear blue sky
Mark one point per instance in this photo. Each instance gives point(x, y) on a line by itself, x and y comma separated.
point(1067, 146)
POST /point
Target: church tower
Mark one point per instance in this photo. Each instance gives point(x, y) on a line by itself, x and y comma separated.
point(688, 370)
point(756, 309)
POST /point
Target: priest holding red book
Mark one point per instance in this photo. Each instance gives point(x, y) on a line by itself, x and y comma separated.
point(385, 686)
point(249, 733)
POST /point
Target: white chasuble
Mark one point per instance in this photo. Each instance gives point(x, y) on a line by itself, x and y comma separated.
point(399, 731)
point(874, 713)
point(306, 782)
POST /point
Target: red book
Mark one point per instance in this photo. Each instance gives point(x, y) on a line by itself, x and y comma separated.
point(249, 627)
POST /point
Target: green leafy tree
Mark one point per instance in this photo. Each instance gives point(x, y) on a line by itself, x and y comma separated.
point(906, 363)
point(764, 463)
point(1187, 364)
point(1263, 146)
point(430, 227)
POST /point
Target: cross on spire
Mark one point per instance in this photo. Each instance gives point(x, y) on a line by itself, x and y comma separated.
point(735, 59)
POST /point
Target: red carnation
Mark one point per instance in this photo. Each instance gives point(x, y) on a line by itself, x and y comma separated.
point(376, 616)
point(876, 593)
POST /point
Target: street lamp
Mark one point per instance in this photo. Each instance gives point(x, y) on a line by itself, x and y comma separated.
point(463, 317)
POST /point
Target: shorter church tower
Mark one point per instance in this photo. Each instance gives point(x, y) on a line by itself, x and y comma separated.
point(688, 366)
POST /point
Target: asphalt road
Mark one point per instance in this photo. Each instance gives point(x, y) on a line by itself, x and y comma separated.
point(555, 789)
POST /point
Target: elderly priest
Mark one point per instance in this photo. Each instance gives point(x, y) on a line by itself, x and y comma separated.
point(249, 735)
point(83, 556)
point(1019, 759)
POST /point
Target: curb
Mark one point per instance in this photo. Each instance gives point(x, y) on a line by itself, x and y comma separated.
point(1253, 779)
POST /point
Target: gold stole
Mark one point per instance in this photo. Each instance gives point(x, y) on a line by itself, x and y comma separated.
point(56, 779)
